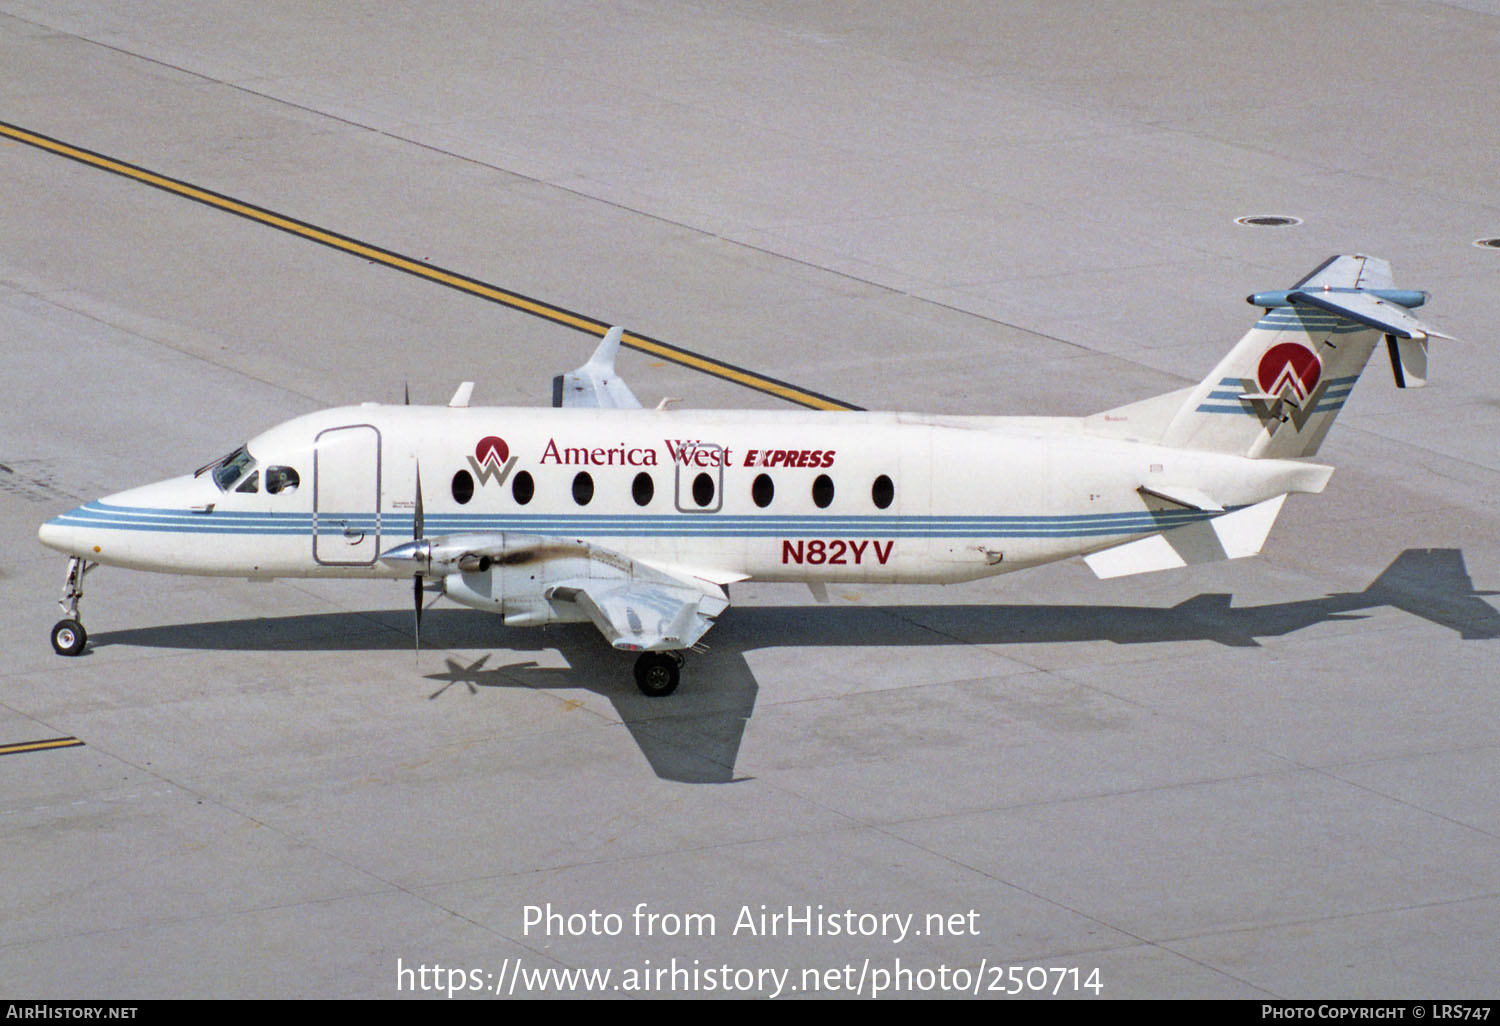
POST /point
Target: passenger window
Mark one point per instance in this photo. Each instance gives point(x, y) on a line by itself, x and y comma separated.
point(642, 489)
point(251, 484)
point(762, 490)
point(463, 487)
point(583, 488)
point(883, 492)
point(703, 489)
point(281, 480)
point(522, 488)
point(822, 491)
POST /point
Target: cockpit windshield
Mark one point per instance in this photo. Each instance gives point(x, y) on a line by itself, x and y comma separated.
point(230, 469)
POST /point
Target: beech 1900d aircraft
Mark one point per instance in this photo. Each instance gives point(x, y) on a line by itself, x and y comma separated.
point(638, 519)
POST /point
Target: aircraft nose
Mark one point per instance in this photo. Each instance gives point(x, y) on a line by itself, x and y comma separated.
point(62, 533)
point(133, 527)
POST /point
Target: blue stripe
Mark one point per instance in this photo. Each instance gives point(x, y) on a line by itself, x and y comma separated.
point(102, 516)
point(1335, 391)
point(1288, 320)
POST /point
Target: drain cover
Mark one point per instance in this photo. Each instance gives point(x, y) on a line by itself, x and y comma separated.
point(1268, 221)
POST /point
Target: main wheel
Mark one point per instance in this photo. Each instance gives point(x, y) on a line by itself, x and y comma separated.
point(656, 673)
point(69, 637)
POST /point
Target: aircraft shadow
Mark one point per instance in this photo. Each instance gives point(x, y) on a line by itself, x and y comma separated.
point(695, 735)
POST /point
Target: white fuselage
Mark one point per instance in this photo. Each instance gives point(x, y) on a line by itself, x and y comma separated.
point(852, 496)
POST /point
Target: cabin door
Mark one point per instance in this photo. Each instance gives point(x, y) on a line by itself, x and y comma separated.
point(346, 496)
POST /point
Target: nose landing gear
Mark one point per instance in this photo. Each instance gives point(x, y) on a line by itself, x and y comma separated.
point(68, 635)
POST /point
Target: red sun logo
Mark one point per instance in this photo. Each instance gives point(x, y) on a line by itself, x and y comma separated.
point(1289, 365)
point(492, 451)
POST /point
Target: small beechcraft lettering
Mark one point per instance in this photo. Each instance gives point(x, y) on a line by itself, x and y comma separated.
point(637, 520)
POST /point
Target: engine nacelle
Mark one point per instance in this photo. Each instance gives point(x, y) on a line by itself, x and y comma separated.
point(476, 590)
point(512, 574)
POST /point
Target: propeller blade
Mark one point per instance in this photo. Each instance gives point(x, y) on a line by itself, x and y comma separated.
point(405, 394)
point(416, 594)
point(416, 579)
point(416, 520)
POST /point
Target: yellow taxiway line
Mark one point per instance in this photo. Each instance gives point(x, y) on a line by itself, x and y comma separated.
point(40, 746)
point(421, 269)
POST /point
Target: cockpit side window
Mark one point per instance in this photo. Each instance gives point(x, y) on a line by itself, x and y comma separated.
point(282, 480)
point(231, 468)
point(251, 482)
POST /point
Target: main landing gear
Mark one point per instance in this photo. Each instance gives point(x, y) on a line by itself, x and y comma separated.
point(68, 635)
point(656, 673)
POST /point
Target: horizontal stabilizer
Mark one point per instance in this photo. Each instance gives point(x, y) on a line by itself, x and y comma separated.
point(1367, 309)
point(1231, 536)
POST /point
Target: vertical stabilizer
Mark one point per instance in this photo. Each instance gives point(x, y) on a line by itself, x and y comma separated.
point(1278, 391)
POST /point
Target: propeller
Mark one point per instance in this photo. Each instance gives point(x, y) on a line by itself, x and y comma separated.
point(416, 578)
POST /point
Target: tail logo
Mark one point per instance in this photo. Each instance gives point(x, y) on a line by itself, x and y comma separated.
point(491, 460)
point(1289, 365)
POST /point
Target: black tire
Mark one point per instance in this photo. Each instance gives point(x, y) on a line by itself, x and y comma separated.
point(656, 673)
point(68, 637)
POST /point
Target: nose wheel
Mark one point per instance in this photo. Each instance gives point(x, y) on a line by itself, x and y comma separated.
point(657, 673)
point(68, 635)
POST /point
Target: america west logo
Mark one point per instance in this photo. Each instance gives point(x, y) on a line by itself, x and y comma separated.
point(1288, 378)
point(492, 459)
point(1292, 367)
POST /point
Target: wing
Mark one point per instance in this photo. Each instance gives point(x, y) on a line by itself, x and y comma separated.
point(595, 384)
point(643, 616)
point(636, 606)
